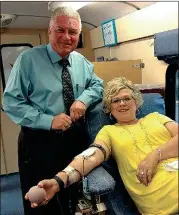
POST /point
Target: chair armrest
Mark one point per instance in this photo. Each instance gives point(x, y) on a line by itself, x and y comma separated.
point(100, 181)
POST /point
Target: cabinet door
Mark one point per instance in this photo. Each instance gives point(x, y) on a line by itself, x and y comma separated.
point(130, 69)
point(10, 130)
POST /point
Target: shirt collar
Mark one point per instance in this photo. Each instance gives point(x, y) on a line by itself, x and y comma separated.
point(54, 56)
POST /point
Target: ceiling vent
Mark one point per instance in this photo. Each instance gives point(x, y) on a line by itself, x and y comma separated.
point(7, 19)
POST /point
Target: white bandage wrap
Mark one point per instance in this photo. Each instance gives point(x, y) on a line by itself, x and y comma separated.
point(88, 154)
point(73, 175)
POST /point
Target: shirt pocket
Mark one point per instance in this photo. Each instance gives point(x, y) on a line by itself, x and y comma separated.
point(79, 89)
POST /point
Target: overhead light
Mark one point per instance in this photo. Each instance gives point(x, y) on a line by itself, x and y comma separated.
point(7, 19)
point(52, 5)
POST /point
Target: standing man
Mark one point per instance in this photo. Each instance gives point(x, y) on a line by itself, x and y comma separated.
point(48, 91)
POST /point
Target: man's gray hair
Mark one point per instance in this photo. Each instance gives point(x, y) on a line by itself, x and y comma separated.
point(66, 11)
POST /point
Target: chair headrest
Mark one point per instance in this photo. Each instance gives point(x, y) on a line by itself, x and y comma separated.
point(166, 46)
point(153, 102)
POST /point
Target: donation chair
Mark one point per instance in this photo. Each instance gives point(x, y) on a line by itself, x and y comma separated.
point(105, 179)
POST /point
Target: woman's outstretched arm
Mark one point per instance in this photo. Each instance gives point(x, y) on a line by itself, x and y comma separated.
point(81, 165)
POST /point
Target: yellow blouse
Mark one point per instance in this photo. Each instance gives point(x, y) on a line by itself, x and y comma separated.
point(131, 143)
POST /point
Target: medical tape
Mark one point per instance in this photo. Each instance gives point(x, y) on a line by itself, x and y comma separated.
point(73, 175)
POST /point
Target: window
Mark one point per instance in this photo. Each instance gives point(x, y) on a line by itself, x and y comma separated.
point(8, 55)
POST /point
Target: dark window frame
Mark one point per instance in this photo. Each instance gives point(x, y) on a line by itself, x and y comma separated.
point(1, 60)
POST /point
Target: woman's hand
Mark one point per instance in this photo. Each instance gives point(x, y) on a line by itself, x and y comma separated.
point(147, 167)
point(50, 186)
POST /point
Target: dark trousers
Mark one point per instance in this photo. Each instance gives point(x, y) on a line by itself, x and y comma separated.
point(41, 155)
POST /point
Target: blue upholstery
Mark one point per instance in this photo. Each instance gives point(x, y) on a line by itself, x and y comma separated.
point(152, 102)
point(105, 183)
point(166, 49)
point(166, 46)
point(99, 180)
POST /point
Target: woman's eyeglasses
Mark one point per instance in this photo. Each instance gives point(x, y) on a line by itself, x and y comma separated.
point(119, 100)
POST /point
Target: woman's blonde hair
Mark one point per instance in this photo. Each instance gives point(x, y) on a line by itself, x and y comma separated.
point(114, 86)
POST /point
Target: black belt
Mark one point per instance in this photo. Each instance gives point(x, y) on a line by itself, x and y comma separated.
point(41, 131)
point(59, 132)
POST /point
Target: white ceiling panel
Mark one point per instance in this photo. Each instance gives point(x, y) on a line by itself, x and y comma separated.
point(95, 13)
point(25, 7)
point(99, 12)
point(30, 22)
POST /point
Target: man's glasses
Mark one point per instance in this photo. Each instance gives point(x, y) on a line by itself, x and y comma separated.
point(119, 100)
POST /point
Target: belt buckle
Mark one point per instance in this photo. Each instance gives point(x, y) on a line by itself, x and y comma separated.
point(58, 132)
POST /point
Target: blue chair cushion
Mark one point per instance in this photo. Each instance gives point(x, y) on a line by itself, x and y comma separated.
point(153, 102)
point(166, 43)
point(104, 184)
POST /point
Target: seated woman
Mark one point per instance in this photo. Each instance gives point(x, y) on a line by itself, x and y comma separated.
point(142, 149)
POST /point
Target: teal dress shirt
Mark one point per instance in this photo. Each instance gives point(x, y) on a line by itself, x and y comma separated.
point(33, 94)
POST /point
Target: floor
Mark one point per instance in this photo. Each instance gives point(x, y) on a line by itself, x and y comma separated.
point(11, 199)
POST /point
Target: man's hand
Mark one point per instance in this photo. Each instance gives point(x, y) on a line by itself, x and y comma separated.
point(77, 110)
point(50, 186)
point(61, 122)
point(147, 167)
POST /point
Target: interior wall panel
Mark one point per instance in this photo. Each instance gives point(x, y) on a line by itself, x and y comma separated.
point(161, 16)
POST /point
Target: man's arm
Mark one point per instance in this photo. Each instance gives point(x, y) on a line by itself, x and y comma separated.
point(94, 90)
point(92, 93)
point(15, 98)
